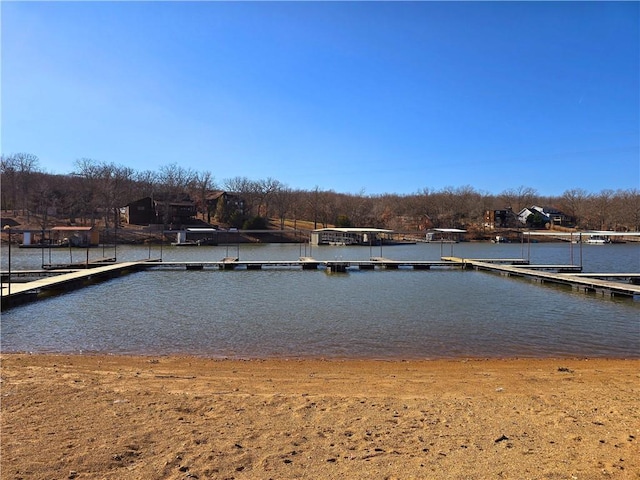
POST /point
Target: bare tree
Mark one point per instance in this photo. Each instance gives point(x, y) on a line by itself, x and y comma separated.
point(174, 184)
point(265, 190)
point(313, 202)
point(391, 211)
point(519, 198)
point(8, 174)
point(358, 209)
point(146, 183)
point(574, 202)
point(627, 207)
point(45, 199)
point(327, 208)
point(115, 190)
point(18, 172)
point(609, 210)
point(203, 182)
point(420, 209)
point(87, 171)
point(600, 211)
point(296, 206)
point(281, 200)
point(175, 181)
point(247, 189)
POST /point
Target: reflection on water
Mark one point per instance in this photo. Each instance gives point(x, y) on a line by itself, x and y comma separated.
point(295, 313)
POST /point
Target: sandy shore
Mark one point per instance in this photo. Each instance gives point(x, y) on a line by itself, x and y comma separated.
point(116, 417)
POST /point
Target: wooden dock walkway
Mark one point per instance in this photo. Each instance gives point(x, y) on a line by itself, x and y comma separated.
point(307, 263)
point(18, 293)
point(567, 275)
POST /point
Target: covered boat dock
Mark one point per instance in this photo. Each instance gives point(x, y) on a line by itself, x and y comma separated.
point(351, 236)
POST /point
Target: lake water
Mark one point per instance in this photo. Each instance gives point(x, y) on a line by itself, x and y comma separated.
point(281, 312)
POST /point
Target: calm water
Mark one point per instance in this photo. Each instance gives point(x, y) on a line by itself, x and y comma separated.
point(294, 313)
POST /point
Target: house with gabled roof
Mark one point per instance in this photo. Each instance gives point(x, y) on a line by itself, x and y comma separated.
point(146, 211)
point(547, 215)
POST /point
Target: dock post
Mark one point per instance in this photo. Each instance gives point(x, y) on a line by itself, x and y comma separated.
point(8, 230)
point(580, 240)
point(571, 249)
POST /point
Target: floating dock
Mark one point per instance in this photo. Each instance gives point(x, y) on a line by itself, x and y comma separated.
point(18, 293)
point(308, 263)
point(605, 284)
point(567, 275)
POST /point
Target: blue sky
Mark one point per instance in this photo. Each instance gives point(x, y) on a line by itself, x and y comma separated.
point(373, 97)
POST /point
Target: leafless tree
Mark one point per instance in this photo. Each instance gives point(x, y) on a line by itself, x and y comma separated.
point(146, 183)
point(296, 206)
point(203, 182)
point(574, 202)
point(624, 209)
point(627, 209)
point(175, 181)
point(599, 216)
point(281, 201)
point(247, 189)
point(420, 209)
point(87, 171)
point(18, 171)
point(519, 198)
point(8, 173)
point(265, 190)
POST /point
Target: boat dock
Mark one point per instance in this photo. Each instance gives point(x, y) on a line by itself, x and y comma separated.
point(567, 275)
point(605, 284)
point(308, 263)
point(18, 293)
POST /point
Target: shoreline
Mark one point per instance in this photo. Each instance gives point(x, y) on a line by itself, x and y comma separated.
point(316, 358)
point(180, 416)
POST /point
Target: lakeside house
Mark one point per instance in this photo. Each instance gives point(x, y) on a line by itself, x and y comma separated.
point(221, 205)
point(217, 204)
point(147, 211)
point(502, 218)
point(545, 215)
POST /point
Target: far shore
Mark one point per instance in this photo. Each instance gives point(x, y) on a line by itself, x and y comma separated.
point(140, 417)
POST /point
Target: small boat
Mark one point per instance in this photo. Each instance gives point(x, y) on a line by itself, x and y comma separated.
point(188, 243)
point(598, 240)
point(499, 239)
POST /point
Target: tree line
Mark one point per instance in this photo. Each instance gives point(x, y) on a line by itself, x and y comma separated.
point(95, 191)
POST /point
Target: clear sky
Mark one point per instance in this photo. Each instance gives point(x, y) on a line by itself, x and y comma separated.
point(373, 97)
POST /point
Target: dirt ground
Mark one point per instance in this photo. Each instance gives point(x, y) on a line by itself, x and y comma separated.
point(118, 417)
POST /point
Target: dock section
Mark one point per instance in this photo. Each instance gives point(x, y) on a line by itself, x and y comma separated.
point(566, 275)
point(18, 293)
point(307, 263)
